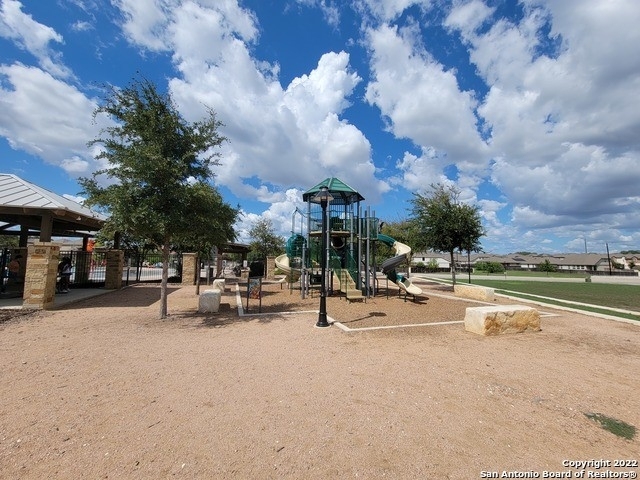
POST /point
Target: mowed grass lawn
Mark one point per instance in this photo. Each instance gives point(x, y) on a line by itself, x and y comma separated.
point(605, 295)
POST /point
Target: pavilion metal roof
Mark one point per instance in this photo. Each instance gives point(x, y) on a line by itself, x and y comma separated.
point(43, 212)
point(342, 193)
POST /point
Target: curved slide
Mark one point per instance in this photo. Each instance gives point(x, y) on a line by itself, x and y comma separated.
point(292, 274)
point(403, 254)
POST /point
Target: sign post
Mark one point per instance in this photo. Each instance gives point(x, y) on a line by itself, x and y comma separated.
point(254, 290)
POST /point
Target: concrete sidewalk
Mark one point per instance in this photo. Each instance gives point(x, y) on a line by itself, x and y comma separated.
point(463, 278)
point(61, 299)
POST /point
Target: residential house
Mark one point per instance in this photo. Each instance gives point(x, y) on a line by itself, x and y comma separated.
point(630, 262)
point(583, 262)
point(426, 258)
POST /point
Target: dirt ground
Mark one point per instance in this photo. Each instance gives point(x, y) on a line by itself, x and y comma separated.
point(104, 389)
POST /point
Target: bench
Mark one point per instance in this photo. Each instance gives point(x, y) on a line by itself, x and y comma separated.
point(500, 319)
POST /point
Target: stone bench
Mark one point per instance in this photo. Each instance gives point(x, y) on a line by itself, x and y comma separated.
point(475, 292)
point(499, 319)
point(209, 301)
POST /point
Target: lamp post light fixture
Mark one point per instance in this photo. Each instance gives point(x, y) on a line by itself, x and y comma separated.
point(323, 197)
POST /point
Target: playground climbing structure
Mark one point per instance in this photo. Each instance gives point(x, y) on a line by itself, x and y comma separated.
point(351, 234)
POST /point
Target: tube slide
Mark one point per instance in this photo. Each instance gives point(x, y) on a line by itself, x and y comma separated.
point(282, 263)
point(403, 254)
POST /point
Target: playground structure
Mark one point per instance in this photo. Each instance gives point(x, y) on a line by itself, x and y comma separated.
point(403, 254)
point(351, 234)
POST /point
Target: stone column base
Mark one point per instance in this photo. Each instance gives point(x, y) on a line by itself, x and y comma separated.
point(41, 275)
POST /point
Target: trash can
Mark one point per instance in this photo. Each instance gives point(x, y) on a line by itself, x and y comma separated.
point(256, 269)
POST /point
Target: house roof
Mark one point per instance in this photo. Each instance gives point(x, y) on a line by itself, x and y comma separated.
point(430, 254)
point(42, 212)
point(582, 259)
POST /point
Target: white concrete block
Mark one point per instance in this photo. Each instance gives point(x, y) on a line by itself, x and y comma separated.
point(209, 301)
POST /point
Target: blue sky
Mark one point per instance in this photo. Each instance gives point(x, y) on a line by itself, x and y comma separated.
point(531, 109)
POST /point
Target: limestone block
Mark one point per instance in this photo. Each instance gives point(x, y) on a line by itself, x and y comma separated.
point(218, 284)
point(209, 301)
point(499, 319)
point(189, 268)
point(475, 292)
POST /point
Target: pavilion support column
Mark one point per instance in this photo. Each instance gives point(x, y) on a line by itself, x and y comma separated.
point(46, 227)
point(40, 275)
point(189, 268)
point(113, 271)
point(24, 237)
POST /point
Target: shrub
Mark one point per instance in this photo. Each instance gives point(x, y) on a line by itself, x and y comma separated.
point(490, 267)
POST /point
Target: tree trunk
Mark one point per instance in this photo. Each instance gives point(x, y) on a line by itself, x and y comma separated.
point(453, 268)
point(198, 275)
point(165, 281)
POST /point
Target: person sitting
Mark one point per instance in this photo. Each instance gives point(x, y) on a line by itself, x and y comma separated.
point(14, 268)
point(13, 274)
point(64, 270)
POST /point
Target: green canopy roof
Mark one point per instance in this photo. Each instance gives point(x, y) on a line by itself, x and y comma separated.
point(342, 193)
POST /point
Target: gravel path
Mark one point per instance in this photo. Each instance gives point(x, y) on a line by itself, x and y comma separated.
point(103, 389)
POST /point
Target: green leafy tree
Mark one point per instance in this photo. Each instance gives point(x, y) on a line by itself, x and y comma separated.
point(264, 241)
point(403, 231)
point(210, 224)
point(106, 238)
point(9, 241)
point(444, 224)
point(432, 266)
point(400, 231)
point(153, 158)
point(547, 266)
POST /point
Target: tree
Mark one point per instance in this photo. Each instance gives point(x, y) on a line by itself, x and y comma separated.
point(210, 225)
point(398, 231)
point(154, 156)
point(432, 266)
point(444, 224)
point(547, 266)
point(264, 241)
point(9, 241)
point(402, 231)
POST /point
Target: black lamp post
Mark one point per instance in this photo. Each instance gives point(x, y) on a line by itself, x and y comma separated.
point(323, 197)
